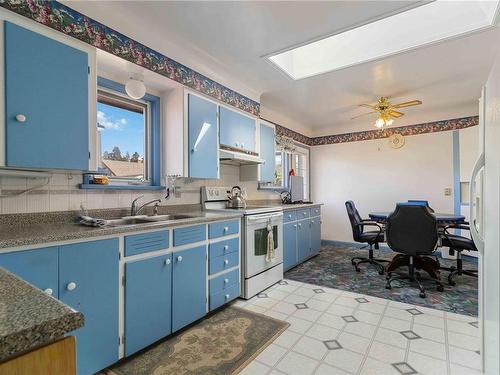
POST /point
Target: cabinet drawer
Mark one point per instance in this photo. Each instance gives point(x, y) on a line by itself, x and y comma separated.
point(289, 216)
point(223, 263)
point(223, 228)
point(315, 211)
point(143, 243)
point(303, 213)
point(227, 295)
point(224, 281)
point(195, 233)
point(224, 247)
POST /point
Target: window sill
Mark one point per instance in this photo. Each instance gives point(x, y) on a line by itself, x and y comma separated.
point(121, 187)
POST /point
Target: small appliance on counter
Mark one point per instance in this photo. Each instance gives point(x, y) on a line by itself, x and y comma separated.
point(296, 189)
point(286, 198)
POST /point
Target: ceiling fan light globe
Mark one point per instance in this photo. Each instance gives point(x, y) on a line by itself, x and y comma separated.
point(389, 122)
point(379, 123)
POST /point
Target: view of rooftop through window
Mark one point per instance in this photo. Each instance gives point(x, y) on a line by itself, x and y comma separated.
point(122, 135)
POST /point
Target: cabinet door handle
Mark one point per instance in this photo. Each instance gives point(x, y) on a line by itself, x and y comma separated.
point(226, 229)
point(179, 258)
point(226, 262)
point(48, 291)
point(295, 225)
point(312, 221)
point(300, 224)
point(20, 118)
point(304, 213)
point(167, 261)
point(226, 281)
point(289, 216)
point(242, 145)
point(71, 286)
point(227, 296)
point(226, 247)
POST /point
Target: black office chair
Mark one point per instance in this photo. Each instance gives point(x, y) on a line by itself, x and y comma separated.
point(412, 231)
point(422, 202)
point(457, 243)
point(370, 237)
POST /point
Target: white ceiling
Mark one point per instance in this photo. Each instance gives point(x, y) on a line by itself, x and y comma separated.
point(227, 41)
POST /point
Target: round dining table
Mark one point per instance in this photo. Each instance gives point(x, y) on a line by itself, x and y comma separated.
point(442, 218)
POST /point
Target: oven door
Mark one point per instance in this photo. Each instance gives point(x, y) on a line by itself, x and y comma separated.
point(256, 242)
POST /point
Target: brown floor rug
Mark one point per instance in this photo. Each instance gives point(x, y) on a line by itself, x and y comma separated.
point(223, 343)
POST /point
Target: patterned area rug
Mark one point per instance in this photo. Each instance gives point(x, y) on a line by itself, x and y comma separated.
point(332, 268)
point(223, 343)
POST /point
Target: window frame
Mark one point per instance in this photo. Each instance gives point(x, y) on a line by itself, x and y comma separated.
point(287, 161)
point(152, 147)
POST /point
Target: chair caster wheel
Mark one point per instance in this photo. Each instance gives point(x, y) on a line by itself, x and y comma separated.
point(422, 295)
point(440, 288)
point(388, 286)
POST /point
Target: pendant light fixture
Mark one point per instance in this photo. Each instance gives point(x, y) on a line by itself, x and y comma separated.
point(135, 87)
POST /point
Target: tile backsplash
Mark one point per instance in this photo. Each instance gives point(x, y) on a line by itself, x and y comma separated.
point(61, 192)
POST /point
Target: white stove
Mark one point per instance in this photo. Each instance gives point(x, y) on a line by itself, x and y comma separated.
point(260, 270)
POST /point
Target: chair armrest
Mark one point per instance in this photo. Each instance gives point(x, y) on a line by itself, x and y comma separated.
point(371, 223)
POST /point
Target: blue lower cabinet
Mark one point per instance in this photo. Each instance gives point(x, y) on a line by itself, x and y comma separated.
point(289, 245)
point(222, 263)
point(315, 235)
point(89, 282)
point(148, 301)
point(224, 281)
point(225, 296)
point(303, 239)
point(38, 267)
point(189, 284)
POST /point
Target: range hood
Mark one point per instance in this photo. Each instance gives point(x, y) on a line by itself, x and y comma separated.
point(231, 156)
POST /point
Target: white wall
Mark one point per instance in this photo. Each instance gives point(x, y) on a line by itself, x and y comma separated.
point(376, 177)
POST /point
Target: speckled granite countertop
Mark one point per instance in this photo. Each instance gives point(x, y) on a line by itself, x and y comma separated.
point(29, 317)
point(42, 231)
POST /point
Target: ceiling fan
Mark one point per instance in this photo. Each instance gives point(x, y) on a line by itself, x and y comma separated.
point(386, 110)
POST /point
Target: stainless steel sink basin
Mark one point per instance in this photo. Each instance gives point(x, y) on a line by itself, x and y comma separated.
point(166, 217)
point(134, 220)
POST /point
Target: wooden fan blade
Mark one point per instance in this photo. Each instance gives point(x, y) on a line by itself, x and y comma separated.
point(368, 106)
point(407, 104)
point(396, 114)
point(363, 114)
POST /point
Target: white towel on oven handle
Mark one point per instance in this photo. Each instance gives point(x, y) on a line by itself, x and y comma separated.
point(271, 252)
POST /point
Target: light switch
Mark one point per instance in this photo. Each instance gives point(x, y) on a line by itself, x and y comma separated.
point(447, 191)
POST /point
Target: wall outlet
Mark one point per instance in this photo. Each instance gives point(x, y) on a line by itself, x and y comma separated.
point(447, 191)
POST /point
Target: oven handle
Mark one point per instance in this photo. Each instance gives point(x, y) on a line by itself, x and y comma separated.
point(264, 217)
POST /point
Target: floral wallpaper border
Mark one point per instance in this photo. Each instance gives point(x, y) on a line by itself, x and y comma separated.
point(72, 23)
point(428, 127)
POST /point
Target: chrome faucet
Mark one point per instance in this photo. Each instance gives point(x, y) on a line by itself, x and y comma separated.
point(134, 210)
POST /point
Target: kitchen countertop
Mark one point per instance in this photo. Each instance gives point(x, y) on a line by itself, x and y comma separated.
point(24, 235)
point(295, 206)
point(30, 318)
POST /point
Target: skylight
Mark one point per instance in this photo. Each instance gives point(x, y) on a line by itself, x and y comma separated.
point(401, 32)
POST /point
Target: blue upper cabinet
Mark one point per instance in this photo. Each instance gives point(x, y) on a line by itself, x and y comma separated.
point(189, 286)
point(267, 152)
point(148, 301)
point(46, 102)
point(203, 143)
point(38, 267)
point(237, 130)
point(88, 282)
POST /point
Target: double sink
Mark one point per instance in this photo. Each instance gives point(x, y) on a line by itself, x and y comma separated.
point(144, 219)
